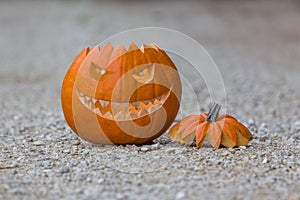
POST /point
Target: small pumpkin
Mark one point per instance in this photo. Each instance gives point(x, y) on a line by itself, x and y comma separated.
point(217, 130)
point(120, 96)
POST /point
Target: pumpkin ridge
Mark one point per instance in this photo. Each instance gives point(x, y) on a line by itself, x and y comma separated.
point(188, 120)
point(201, 132)
point(228, 132)
point(241, 128)
point(189, 129)
point(214, 135)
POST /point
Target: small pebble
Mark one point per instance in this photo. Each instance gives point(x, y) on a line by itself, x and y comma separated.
point(66, 151)
point(76, 142)
point(18, 191)
point(296, 126)
point(16, 117)
point(64, 170)
point(170, 150)
point(119, 196)
point(265, 161)
point(38, 143)
point(101, 180)
point(82, 177)
point(180, 195)
point(155, 146)
point(251, 121)
point(145, 148)
point(225, 153)
point(29, 140)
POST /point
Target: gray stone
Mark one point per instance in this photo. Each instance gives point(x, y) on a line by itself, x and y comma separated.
point(38, 143)
point(64, 170)
point(180, 195)
point(145, 148)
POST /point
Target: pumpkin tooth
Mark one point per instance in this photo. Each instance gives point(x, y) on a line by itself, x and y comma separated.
point(82, 100)
point(132, 108)
point(91, 105)
point(120, 107)
point(136, 104)
point(125, 106)
point(115, 106)
point(154, 108)
point(87, 98)
point(119, 116)
point(142, 105)
point(94, 100)
point(97, 103)
point(85, 102)
point(156, 101)
point(152, 100)
point(108, 115)
point(97, 111)
point(146, 101)
point(142, 112)
point(81, 94)
point(127, 116)
point(159, 98)
point(150, 104)
point(103, 103)
point(131, 115)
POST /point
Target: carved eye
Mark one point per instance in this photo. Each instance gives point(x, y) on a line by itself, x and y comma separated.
point(97, 72)
point(145, 76)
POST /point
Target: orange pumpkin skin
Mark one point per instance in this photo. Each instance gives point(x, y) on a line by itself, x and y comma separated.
point(111, 78)
point(68, 87)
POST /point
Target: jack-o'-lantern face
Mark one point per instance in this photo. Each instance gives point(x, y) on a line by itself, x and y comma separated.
point(121, 96)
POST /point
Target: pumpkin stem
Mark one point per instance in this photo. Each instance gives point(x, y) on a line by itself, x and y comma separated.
point(213, 112)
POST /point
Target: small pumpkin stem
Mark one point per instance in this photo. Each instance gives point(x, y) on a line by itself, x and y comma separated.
point(213, 112)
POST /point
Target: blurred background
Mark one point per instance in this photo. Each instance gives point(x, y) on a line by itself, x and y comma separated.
point(39, 39)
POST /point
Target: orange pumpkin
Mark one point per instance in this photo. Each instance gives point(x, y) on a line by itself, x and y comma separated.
point(218, 130)
point(121, 96)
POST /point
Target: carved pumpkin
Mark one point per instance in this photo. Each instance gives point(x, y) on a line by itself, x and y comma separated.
point(223, 130)
point(121, 96)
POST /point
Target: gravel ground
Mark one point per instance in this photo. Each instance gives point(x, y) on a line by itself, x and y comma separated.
point(256, 46)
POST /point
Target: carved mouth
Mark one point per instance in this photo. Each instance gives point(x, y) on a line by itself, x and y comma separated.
point(122, 110)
